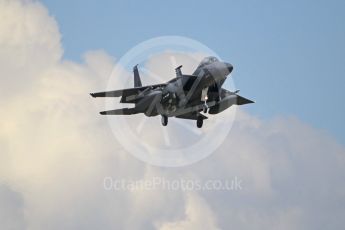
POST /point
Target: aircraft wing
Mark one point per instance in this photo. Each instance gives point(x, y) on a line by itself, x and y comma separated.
point(126, 92)
point(241, 100)
point(238, 100)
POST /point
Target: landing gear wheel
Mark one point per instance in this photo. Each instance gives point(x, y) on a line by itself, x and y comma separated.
point(164, 120)
point(199, 122)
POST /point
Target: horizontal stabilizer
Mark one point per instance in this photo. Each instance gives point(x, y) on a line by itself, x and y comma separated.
point(115, 93)
point(125, 111)
point(125, 92)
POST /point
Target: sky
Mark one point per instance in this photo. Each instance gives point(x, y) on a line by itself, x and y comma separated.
point(62, 166)
point(288, 55)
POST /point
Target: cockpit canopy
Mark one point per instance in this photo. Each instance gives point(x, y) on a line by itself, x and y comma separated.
point(204, 62)
point(208, 60)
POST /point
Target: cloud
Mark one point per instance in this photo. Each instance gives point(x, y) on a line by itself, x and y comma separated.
point(56, 151)
point(11, 211)
point(198, 216)
point(29, 43)
point(289, 171)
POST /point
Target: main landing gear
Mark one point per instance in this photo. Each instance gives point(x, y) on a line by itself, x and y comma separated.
point(164, 120)
point(199, 122)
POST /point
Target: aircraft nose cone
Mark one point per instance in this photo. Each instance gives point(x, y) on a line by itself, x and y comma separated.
point(230, 67)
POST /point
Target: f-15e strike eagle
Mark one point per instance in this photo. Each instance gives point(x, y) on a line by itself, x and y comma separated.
point(185, 96)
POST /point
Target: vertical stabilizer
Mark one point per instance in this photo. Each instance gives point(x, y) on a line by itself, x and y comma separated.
point(137, 81)
point(178, 71)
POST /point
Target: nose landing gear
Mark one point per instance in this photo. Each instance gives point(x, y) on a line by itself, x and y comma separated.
point(205, 108)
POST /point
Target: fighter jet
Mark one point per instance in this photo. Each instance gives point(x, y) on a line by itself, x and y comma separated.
point(185, 96)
